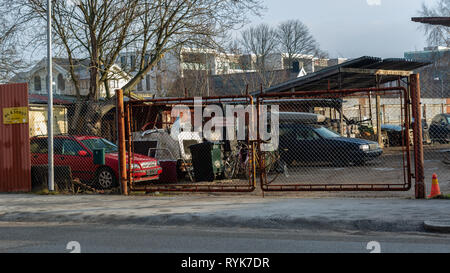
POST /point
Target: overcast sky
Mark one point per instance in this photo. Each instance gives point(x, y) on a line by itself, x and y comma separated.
point(353, 28)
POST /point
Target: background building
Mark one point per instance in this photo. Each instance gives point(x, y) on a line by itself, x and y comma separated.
point(63, 86)
point(207, 72)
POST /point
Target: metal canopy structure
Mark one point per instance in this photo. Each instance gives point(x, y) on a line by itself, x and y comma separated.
point(443, 21)
point(363, 72)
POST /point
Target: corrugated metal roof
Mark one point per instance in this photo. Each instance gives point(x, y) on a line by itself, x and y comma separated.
point(57, 99)
point(443, 21)
point(15, 161)
point(356, 73)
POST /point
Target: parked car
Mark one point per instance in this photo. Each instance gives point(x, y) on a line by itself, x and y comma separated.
point(394, 134)
point(439, 129)
point(77, 153)
point(313, 143)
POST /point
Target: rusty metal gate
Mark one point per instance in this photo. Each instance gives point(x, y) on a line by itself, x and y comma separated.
point(327, 140)
point(158, 129)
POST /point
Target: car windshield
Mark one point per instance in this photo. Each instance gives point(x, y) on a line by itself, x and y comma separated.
point(100, 143)
point(325, 133)
point(391, 127)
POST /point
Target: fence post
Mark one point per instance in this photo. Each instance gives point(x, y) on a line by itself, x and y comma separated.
point(418, 138)
point(121, 140)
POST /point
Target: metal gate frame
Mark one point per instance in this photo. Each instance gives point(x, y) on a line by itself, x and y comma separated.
point(125, 112)
point(406, 186)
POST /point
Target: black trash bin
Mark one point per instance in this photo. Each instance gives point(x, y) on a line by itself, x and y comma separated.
point(207, 161)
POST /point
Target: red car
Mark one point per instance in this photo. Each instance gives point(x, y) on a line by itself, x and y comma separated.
point(77, 152)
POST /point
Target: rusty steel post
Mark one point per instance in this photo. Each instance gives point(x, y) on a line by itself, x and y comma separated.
point(121, 140)
point(418, 143)
point(129, 143)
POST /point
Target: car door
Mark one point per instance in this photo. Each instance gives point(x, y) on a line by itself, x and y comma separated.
point(434, 127)
point(39, 151)
point(317, 147)
point(287, 142)
point(308, 145)
point(68, 155)
point(441, 128)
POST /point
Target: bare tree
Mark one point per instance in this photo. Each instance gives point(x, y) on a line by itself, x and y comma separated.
point(436, 34)
point(99, 30)
point(260, 41)
point(83, 29)
point(295, 38)
point(10, 59)
point(170, 24)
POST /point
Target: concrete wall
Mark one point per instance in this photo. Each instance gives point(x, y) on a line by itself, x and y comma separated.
point(391, 109)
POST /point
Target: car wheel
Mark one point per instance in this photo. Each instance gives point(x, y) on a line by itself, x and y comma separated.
point(106, 179)
point(446, 158)
point(359, 163)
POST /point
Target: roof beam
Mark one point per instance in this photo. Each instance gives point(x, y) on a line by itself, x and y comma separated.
point(404, 73)
point(444, 21)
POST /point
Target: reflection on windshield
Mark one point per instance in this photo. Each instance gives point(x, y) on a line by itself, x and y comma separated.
point(325, 133)
point(100, 143)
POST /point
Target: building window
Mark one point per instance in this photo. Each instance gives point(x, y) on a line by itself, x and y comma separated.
point(37, 83)
point(133, 63)
point(147, 82)
point(123, 61)
point(159, 83)
point(139, 86)
point(61, 83)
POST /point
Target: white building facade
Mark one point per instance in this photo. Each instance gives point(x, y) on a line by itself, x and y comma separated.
point(190, 62)
point(63, 84)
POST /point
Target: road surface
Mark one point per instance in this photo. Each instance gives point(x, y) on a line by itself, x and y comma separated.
point(54, 238)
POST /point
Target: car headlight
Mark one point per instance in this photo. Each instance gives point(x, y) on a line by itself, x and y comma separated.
point(364, 147)
point(149, 164)
point(134, 167)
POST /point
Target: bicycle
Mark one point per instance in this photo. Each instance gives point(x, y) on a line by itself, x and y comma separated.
point(238, 164)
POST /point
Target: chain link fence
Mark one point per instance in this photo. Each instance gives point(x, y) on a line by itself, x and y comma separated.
point(435, 109)
point(85, 150)
point(333, 141)
point(195, 143)
point(325, 142)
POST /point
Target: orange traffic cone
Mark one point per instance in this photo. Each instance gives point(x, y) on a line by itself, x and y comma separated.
point(435, 190)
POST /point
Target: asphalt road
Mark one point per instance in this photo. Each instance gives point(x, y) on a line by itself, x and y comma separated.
point(54, 238)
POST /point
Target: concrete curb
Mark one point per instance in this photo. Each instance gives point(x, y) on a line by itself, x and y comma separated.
point(437, 226)
point(227, 221)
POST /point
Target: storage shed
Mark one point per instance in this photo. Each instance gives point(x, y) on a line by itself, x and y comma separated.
point(15, 162)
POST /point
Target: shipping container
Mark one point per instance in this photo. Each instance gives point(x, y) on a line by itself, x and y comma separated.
point(15, 161)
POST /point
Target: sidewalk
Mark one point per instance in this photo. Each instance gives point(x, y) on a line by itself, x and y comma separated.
point(393, 215)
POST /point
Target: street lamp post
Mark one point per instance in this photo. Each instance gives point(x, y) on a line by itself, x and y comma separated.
point(51, 182)
point(440, 78)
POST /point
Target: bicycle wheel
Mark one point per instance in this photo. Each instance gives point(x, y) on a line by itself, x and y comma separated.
point(274, 166)
point(231, 166)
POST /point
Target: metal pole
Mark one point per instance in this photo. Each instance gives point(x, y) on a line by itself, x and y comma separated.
point(121, 140)
point(418, 144)
point(442, 94)
point(378, 109)
point(378, 112)
point(51, 182)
